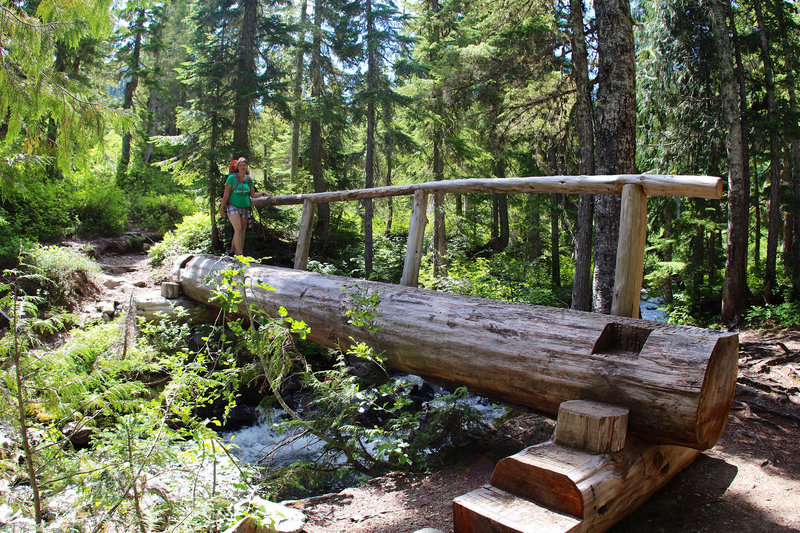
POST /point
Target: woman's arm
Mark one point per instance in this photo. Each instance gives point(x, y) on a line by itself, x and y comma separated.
point(225, 197)
point(256, 194)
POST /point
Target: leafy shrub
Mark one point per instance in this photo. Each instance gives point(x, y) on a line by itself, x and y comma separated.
point(63, 274)
point(775, 316)
point(159, 214)
point(389, 256)
point(39, 212)
point(192, 235)
point(101, 208)
point(147, 180)
point(503, 277)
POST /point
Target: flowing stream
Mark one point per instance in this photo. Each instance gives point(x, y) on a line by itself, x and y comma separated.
point(265, 443)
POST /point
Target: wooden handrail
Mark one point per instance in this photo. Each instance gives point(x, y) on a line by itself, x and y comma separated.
point(653, 184)
point(634, 189)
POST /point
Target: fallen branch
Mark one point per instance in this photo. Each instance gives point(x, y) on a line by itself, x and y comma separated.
point(760, 401)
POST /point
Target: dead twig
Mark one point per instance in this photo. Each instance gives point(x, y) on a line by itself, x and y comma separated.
point(762, 403)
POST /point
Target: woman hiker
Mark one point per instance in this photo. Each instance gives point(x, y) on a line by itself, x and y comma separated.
point(236, 203)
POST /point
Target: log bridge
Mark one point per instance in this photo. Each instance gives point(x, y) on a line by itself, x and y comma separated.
point(636, 401)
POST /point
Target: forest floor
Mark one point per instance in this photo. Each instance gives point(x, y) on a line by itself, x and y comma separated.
point(749, 482)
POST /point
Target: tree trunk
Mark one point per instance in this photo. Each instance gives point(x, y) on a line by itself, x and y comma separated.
point(369, 159)
point(294, 155)
point(130, 91)
point(213, 181)
point(615, 134)
point(245, 85)
point(770, 268)
point(555, 256)
point(439, 229)
point(794, 249)
point(494, 233)
point(581, 286)
point(315, 133)
point(534, 235)
point(734, 288)
point(388, 147)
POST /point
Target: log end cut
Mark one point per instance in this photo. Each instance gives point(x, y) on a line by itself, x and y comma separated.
point(716, 397)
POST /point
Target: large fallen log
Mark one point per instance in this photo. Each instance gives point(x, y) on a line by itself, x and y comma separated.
point(678, 382)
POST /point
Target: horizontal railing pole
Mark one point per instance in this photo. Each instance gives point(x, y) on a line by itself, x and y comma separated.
point(653, 184)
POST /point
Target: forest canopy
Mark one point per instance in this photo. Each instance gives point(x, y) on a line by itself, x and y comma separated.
point(125, 115)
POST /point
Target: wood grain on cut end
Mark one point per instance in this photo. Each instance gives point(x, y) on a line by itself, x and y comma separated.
point(592, 426)
point(719, 386)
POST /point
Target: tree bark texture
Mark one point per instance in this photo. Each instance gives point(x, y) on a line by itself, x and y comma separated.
point(793, 257)
point(678, 382)
point(581, 286)
point(615, 133)
point(245, 87)
point(734, 289)
point(315, 133)
point(294, 155)
point(770, 268)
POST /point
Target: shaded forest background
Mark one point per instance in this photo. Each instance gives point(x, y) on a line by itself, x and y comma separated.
point(118, 116)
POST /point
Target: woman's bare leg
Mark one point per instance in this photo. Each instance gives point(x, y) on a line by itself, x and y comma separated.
point(239, 224)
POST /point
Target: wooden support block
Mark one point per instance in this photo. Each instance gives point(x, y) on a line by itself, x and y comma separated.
point(630, 252)
point(304, 236)
point(491, 509)
point(600, 489)
point(416, 238)
point(170, 290)
point(591, 426)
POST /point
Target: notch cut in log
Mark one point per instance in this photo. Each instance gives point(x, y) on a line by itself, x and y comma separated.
point(678, 382)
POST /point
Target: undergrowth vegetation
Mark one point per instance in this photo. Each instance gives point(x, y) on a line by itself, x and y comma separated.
point(117, 427)
point(191, 235)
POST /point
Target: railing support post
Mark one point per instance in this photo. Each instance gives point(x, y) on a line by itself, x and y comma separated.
point(304, 236)
point(416, 235)
point(630, 252)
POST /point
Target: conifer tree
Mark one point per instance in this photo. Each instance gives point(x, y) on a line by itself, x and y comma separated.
point(130, 56)
point(615, 133)
point(35, 89)
point(581, 287)
point(380, 40)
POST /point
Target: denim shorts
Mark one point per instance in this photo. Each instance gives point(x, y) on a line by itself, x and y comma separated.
point(244, 212)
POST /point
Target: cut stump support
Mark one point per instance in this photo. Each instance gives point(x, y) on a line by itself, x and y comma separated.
point(552, 487)
point(170, 290)
point(416, 237)
point(591, 426)
point(304, 236)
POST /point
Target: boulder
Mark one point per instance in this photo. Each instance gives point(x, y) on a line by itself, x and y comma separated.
point(273, 517)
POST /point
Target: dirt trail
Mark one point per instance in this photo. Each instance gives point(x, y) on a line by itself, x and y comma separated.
point(749, 482)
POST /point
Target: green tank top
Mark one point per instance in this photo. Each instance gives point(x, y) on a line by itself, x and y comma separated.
point(240, 191)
